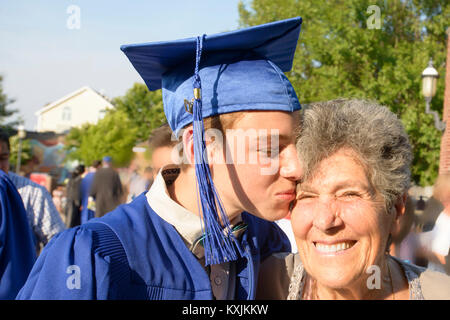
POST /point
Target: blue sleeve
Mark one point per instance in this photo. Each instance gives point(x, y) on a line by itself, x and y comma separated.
point(274, 241)
point(267, 235)
point(17, 251)
point(68, 268)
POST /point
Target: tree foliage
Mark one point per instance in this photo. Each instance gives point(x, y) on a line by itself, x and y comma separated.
point(338, 55)
point(4, 111)
point(26, 152)
point(136, 114)
point(114, 136)
point(144, 109)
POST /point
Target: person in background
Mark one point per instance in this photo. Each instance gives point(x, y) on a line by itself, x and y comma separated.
point(148, 176)
point(73, 205)
point(162, 148)
point(436, 242)
point(405, 242)
point(433, 207)
point(86, 183)
point(136, 183)
point(17, 252)
point(106, 189)
point(43, 217)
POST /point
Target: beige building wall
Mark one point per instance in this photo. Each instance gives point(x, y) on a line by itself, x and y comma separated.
point(83, 106)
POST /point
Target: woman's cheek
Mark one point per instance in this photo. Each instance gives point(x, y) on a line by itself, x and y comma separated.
point(302, 219)
point(361, 216)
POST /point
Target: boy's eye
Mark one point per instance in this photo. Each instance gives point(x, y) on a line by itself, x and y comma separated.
point(269, 152)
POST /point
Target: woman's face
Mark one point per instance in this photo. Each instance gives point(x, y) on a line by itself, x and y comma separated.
point(339, 222)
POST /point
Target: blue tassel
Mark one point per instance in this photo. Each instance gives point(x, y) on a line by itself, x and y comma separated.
point(218, 239)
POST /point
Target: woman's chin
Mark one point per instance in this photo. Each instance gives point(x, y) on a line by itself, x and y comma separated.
point(335, 279)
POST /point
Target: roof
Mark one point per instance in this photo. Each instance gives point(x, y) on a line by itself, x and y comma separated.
point(70, 96)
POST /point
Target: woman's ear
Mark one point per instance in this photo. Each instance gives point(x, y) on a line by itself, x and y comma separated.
point(399, 210)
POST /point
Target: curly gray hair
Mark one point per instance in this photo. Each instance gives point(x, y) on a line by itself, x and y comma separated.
point(369, 129)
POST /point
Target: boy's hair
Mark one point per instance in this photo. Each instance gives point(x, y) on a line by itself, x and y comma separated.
point(221, 122)
point(161, 137)
point(96, 164)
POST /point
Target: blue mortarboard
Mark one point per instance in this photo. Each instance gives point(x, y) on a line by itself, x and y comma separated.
point(215, 74)
point(107, 159)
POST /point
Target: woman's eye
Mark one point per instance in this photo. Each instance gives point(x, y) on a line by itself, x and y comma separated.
point(304, 196)
point(350, 194)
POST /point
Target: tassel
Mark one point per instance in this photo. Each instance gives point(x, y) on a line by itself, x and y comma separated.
point(218, 240)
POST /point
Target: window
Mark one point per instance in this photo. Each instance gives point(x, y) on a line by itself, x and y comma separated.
point(66, 114)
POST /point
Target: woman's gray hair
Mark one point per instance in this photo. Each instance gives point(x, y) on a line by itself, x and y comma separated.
point(372, 131)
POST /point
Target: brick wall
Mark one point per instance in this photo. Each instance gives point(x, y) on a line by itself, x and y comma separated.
point(444, 163)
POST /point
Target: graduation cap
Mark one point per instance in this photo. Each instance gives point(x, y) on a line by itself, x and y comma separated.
point(216, 74)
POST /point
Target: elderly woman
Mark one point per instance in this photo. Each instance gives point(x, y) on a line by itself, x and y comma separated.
point(356, 160)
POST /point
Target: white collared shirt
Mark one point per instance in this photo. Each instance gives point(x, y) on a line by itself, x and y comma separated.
point(188, 225)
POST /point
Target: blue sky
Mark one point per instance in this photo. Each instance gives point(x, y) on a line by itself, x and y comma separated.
point(42, 59)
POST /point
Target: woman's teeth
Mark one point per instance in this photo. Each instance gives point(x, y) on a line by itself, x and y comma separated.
point(334, 247)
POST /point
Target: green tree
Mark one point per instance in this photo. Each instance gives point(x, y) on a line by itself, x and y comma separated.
point(114, 135)
point(25, 154)
point(144, 109)
point(132, 120)
point(4, 111)
point(340, 55)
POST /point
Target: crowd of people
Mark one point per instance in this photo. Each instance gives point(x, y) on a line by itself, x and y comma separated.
point(201, 223)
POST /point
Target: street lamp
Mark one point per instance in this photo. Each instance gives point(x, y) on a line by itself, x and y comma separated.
point(429, 83)
point(21, 134)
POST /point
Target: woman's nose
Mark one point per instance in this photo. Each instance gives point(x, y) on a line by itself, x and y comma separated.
point(327, 215)
point(290, 164)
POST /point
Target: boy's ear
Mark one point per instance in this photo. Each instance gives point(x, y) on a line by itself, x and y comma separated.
point(188, 144)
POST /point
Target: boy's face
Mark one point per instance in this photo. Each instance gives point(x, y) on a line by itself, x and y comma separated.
point(259, 166)
point(161, 157)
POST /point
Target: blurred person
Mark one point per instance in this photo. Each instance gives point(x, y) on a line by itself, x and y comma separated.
point(17, 251)
point(405, 242)
point(436, 243)
point(433, 207)
point(148, 176)
point(106, 189)
point(356, 160)
point(86, 183)
point(205, 225)
point(162, 144)
point(136, 184)
point(44, 219)
point(74, 197)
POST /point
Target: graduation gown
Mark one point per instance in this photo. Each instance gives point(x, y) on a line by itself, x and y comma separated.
point(17, 250)
point(86, 214)
point(132, 253)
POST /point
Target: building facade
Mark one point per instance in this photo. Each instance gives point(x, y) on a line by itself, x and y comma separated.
point(73, 110)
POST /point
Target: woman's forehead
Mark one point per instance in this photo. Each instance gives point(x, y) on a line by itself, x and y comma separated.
point(339, 170)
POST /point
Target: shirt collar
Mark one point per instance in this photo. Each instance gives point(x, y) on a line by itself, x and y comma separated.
point(186, 223)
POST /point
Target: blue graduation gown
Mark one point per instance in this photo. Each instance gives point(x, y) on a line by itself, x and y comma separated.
point(85, 188)
point(17, 250)
point(150, 261)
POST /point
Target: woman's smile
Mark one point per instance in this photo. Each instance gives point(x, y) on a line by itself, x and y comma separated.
point(334, 248)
